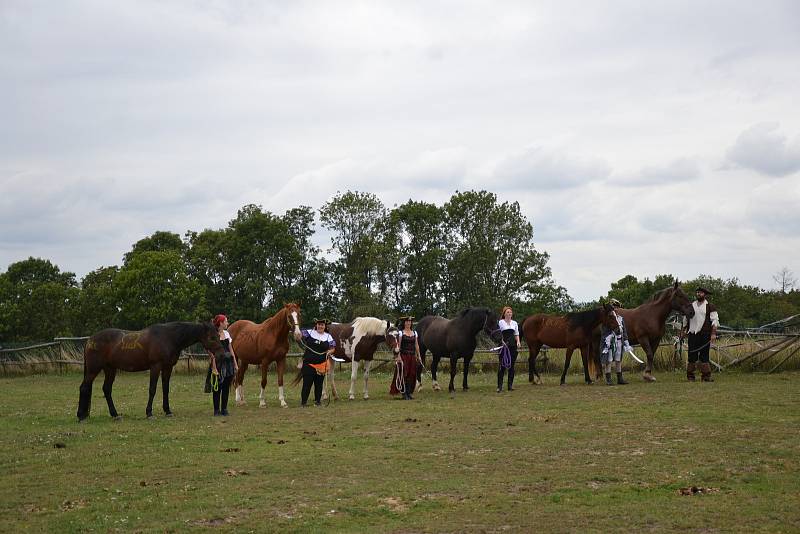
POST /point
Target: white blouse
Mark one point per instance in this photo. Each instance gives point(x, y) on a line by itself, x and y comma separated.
point(503, 325)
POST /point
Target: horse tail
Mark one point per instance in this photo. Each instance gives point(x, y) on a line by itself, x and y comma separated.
point(594, 355)
point(298, 377)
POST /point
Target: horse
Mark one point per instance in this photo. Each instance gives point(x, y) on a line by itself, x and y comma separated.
point(156, 348)
point(646, 323)
point(356, 342)
point(261, 344)
point(571, 331)
point(455, 338)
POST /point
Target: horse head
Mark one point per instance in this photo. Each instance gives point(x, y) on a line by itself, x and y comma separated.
point(392, 337)
point(680, 302)
point(609, 318)
point(490, 326)
point(209, 338)
point(292, 316)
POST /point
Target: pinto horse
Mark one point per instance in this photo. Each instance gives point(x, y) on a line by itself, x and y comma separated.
point(262, 344)
point(571, 331)
point(646, 323)
point(156, 348)
point(357, 342)
point(455, 338)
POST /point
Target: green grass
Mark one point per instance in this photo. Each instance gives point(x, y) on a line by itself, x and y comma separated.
point(549, 458)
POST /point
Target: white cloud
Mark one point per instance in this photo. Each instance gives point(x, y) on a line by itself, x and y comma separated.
point(763, 148)
point(537, 167)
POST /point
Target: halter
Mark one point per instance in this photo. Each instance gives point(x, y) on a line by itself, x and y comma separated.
point(503, 350)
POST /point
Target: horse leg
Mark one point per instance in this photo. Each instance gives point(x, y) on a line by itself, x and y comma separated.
point(453, 368)
point(262, 401)
point(533, 353)
point(566, 365)
point(85, 397)
point(585, 360)
point(464, 385)
point(367, 365)
point(332, 378)
point(353, 376)
point(166, 373)
point(434, 366)
point(420, 370)
point(280, 368)
point(154, 372)
point(648, 370)
point(110, 373)
point(239, 387)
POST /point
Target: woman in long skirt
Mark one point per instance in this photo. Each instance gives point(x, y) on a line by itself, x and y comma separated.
point(405, 362)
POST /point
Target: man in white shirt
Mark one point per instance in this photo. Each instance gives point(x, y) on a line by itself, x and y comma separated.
point(702, 331)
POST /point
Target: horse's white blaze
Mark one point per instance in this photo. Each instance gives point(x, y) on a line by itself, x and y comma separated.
point(281, 397)
point(296, 322)
point(261, 398)
point(367, 365)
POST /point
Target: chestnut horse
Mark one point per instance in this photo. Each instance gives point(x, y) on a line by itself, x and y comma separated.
point(455, 338)
point(262, 344)
point(357, 342)
point(571, 331)
point(156, 348)
point(646, 323)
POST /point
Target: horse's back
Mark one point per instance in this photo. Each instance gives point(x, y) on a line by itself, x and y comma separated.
point(550, 330)
point(433, 333)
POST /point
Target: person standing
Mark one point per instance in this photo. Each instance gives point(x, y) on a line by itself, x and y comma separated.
point(702, 332)
point(223, 368)
point(510, 331)
point(613, 346)
point(406, 358)
point(319, 346)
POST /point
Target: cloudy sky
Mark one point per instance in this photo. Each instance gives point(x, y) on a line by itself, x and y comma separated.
point(639, 137)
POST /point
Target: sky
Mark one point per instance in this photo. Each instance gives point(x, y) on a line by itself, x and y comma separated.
point(638, 137)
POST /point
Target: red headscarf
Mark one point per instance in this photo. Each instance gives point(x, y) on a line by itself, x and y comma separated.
point(219, 319)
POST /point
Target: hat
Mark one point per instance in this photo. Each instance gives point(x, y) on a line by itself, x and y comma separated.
point(704, 290)
point(615, 303)
point(405, 318)
point(326, 321)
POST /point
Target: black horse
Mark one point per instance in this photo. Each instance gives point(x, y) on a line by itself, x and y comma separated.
point(455, 338)
point(156, 348)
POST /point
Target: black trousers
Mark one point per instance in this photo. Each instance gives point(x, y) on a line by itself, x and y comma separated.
point(221, 395)
point(501, 372)
point(699, 346)
point(311, 376)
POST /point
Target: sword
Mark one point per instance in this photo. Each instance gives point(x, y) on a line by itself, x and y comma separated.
point(630, 351)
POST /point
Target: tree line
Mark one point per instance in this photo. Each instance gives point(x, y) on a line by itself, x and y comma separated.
point(418, 258)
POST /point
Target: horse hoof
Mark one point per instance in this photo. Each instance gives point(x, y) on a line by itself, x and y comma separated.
point(352, 397)
point(83, 420)
point(117, 418)
point(537, 380)
point(169, 414)
point(150, 416)
point(563, 384)
point(284, 405)
point(262, 404)
point(648, 377)
point(366, 397)
point(419, 386)
point(240, 403)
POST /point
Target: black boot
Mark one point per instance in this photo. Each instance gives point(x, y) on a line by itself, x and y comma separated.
point(621, 380)
point(608, 380)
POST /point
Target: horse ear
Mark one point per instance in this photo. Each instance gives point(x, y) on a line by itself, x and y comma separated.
point(676, 284)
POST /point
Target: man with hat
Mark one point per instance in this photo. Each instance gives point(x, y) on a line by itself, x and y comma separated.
point(318, 345)
point(613, 346)
point(702, 330)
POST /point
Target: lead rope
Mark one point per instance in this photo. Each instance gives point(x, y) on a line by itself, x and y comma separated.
point(400, 381)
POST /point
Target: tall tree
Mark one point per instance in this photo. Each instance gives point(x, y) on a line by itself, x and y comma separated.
point(160, 241)
point(785, 280)
point(97, 305)
point(356, 221)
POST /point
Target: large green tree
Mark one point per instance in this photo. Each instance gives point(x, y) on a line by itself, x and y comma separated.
point(154, 287)
point(36, 301)
point(97, 305)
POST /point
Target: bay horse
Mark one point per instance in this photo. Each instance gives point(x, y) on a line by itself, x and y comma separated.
point(156, 348)
point(571, 331)
point(455, 338)
point(357, 342)
point(261, 344)
point(647, 322)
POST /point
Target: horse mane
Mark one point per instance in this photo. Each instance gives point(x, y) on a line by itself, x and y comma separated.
point(658, 294)
point(582, 319)
point(368, 326)
point(464, 312)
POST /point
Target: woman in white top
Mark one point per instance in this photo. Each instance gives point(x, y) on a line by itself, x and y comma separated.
point(510, 331)
point(224, 367)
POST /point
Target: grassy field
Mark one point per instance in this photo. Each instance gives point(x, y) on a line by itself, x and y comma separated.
point(549, 458)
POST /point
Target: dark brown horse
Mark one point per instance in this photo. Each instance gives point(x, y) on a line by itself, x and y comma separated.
point(357, 342)
point(571, 331)
point(262, 344)
point(156, 348)
point(455, 338)
point(646, 323)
